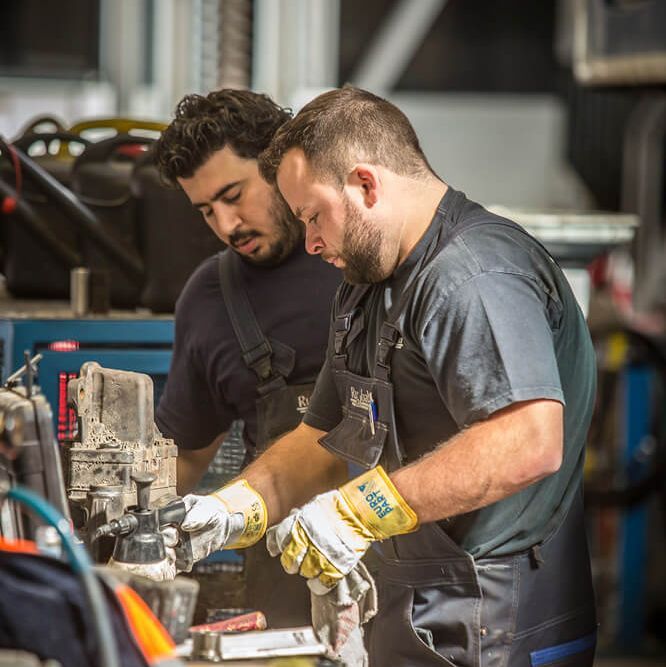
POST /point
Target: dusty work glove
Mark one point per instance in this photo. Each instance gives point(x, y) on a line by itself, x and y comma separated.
point(327, 537)
point(338, 614)
point(230, 518)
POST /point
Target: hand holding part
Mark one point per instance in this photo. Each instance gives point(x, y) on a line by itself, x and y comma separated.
point(327, 537)
point(231, 517)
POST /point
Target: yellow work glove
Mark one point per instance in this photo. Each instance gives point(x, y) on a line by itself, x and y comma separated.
point(327, 537)
point(230, 518)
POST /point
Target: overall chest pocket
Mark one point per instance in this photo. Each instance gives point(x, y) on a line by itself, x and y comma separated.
point(281, 411)
point(357, 439)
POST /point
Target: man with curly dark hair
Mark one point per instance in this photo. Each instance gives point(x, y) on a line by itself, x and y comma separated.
point(252, 322)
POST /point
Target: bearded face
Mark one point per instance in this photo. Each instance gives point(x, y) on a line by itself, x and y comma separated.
point(363, 251)
point(287, 233)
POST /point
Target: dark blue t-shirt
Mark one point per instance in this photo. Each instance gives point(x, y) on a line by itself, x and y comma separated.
point(209, 386)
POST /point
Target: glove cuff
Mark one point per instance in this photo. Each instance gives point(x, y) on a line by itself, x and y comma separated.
point(239, 498)
point(379, 505)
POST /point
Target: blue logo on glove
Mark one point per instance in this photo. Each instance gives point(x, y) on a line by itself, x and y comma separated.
point(378, 503)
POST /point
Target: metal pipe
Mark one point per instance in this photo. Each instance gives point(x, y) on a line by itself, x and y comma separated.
point(29, 366)
point(395, 43)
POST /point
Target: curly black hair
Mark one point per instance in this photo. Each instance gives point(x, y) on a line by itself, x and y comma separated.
point(243, 120)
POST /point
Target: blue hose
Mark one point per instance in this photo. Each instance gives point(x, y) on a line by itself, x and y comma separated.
point(82, 565)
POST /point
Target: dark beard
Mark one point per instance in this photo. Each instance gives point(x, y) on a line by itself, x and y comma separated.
point(290, 232)
point(361, 249)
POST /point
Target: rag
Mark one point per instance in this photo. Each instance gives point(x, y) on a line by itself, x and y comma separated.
point(338, 614)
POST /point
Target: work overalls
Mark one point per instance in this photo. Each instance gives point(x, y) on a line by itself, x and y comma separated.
point(280, 406)
point(437, 605)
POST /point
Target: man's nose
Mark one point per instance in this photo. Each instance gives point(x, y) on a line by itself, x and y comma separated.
point(313, 242)
point(226, 219)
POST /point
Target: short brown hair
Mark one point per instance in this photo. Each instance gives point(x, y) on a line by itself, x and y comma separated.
point(203, 125)
point(344, 126)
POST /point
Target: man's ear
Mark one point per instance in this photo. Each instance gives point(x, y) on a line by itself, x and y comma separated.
point(364, 178)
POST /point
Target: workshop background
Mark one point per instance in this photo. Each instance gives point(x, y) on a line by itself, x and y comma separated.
point(554, 111)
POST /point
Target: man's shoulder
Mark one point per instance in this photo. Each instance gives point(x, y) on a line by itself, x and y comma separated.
point(487, 243)
point(495, 235)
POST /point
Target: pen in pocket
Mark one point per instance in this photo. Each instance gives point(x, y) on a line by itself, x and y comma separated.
point(372, 415)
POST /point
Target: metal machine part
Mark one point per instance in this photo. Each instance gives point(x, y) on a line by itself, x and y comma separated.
point(206, 646)
point(29, 454)
point(117, 439)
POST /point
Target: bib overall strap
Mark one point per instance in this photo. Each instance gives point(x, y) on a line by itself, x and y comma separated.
point(255, 348)
point(350, 313)
point(388, 337)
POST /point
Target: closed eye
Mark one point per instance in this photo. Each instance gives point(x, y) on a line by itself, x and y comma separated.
point(232, 199)
point(313, 219)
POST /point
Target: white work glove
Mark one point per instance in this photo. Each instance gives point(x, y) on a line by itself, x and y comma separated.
point(231, 517)
point(327, 537)
point(209, 524)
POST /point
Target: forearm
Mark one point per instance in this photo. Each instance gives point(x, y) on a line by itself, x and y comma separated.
point(293, 470)
point(489, 461)
point(193, 463)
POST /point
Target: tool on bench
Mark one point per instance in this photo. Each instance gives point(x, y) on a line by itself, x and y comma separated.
point(139, 542)
point(139, 539)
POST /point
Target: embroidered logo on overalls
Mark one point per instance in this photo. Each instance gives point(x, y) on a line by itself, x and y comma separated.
point(360, 398)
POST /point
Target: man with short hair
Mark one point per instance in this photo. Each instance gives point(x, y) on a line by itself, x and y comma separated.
point(251, 323)
point(455, 345)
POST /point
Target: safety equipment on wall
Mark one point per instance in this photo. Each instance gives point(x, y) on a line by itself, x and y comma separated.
point(9, 202)
point(101, 179)
point(41, 241)
point(100, 205)
point(327, 537)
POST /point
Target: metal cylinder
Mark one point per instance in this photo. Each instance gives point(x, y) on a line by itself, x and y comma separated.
point(206, 646)
point(79, 292)
point(103, 503)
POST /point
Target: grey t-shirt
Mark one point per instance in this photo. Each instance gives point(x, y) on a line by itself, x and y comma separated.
point(490, 320)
